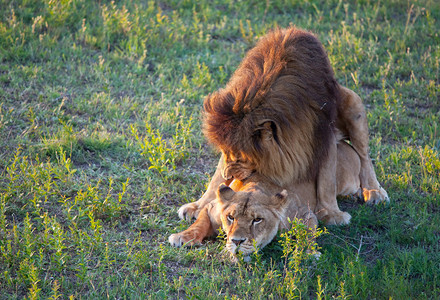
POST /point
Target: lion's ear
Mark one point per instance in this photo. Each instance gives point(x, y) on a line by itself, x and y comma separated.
point(267, 130)
point(280, 199)
point(225, 193)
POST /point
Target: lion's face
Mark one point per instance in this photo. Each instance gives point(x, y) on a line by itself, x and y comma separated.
point(250, 218)
point(236, 166)
point(260, 153)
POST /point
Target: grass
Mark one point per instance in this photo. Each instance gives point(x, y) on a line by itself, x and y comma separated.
point(100, 143)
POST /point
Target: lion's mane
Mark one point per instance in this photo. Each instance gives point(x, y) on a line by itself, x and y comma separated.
point(286, 80)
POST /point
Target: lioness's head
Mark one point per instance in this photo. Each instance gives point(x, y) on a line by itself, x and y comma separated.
point(250, 218)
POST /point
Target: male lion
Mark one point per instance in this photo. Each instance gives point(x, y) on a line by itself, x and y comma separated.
point(278, 116)
point(253, 213)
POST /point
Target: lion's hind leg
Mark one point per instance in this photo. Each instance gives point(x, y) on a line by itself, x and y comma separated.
point(195, 234)
point(375, 196)
point(352, 121)
point(327, 208)
point(347, 171)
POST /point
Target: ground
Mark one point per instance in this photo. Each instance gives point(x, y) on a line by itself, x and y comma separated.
point(100, 144)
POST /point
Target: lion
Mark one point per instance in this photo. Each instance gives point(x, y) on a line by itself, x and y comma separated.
point(278, 116)
point(251, 212)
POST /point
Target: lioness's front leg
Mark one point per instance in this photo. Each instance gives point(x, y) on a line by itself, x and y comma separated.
point(195, 234)
point(327, 208)
point(191, 210)
point(352, 121)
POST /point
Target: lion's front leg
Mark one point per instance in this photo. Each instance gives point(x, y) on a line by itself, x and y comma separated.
point(191, 210)
point(352, 121)
point(327, 208)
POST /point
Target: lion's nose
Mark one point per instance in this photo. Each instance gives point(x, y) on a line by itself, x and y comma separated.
point(238, 241)
point(226, 175)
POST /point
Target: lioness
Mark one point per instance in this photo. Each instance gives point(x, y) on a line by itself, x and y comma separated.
point(252, 211)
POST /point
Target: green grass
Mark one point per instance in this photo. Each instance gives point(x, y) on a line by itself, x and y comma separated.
point(100, 143)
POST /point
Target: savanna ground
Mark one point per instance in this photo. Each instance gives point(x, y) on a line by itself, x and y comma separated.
point(100, 143)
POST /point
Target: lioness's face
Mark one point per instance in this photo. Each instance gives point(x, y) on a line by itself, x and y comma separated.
point(250, 219)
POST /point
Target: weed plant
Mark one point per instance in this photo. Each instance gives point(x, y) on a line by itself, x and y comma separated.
point(100, 143)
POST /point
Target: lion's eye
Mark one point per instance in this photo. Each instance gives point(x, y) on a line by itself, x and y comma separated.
point(230, 218)
point(257, 220)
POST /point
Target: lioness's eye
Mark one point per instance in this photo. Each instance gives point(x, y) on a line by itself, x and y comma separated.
point(257, 220)
point(230, 218)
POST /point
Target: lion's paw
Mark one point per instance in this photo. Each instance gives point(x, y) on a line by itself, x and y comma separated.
point(338, 218)
point(188, 211)
point(375, 196)
point(180, 239)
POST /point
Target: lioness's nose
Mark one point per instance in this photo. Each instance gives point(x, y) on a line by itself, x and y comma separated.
point(238, 241)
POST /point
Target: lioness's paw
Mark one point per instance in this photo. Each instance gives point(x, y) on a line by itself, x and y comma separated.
point(175, 240)
point(338, 218)
point(178, 240)
point(375, 196)
point(188, 211)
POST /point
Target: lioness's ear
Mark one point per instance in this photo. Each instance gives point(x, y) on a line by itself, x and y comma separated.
point(225, 193)
point(280, 198)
